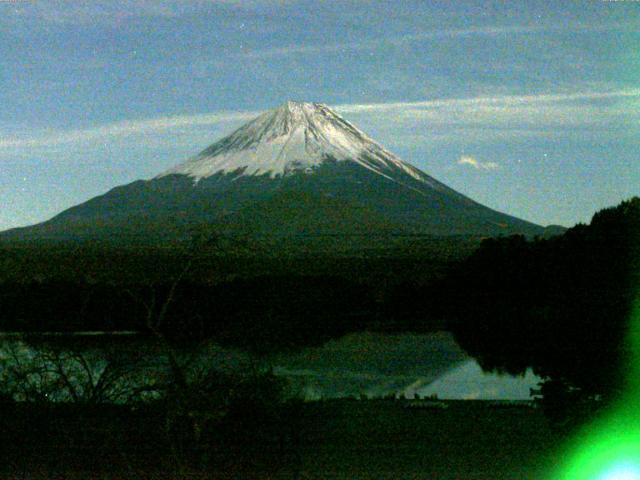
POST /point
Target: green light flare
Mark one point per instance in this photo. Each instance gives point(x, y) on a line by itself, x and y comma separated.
point(622, 471)
point(607, 454)
point(609, 448)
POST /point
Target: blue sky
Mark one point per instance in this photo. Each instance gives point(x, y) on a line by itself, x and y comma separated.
point(532, 108)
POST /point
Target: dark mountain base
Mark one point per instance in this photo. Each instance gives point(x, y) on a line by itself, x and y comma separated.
point(339, 200)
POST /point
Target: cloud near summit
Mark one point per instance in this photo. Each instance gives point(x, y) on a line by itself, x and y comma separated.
point(477, 164)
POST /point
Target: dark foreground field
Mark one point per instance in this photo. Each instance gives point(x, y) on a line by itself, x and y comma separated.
point(338, 439)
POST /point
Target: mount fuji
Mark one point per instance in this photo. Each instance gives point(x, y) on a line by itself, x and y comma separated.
point(300, 170)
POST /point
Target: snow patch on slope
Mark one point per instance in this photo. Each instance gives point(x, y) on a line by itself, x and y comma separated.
point(296, 137)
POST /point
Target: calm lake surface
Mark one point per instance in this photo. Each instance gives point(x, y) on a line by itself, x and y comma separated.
point(370, 364)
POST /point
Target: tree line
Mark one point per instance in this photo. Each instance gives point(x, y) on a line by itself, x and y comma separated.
point(561, 306)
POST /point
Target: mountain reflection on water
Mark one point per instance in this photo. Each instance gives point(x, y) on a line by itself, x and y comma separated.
point(376, 364)
point(371, 364)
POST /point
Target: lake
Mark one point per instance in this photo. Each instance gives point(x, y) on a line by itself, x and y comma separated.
point(369, 364)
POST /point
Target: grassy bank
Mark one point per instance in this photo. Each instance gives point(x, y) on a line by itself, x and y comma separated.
point(338, 439)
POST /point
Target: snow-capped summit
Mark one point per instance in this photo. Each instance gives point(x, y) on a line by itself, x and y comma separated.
point(295, 137)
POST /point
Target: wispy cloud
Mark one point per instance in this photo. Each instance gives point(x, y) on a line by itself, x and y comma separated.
point(505, 113)
point(81, 12)
point(124, 129)
point(503, 100)
point(477, 164)
point(616, 110)
point(430, 35)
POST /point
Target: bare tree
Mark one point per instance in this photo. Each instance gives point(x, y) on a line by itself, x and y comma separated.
point(42, 371)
